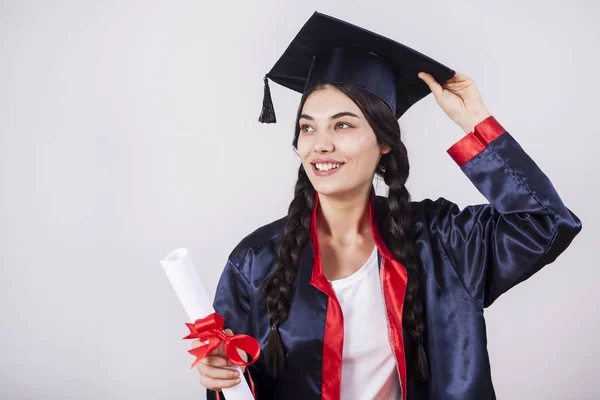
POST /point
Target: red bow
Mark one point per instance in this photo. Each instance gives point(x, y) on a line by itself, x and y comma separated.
point(211, 329)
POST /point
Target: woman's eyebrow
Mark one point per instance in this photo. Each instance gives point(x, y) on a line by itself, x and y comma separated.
point(338, 115)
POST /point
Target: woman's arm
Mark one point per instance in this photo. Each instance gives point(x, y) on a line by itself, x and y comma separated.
point(232, 302)
point(493, 247)
point(526, 225)
point(232, 299)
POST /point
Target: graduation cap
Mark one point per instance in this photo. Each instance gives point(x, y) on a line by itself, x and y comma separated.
point(329, 50)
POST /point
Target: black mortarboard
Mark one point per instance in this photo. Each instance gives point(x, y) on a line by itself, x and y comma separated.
point(330, 50)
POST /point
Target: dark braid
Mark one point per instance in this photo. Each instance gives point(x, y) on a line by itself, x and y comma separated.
point(278, 286)
point(396, 232)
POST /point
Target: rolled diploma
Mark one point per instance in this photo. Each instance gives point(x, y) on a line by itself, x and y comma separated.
point(188, 285)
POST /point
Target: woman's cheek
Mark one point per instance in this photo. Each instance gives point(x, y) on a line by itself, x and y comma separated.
point(353, 143)
point(303, 148)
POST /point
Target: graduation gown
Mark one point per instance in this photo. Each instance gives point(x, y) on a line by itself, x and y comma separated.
point(468, 258)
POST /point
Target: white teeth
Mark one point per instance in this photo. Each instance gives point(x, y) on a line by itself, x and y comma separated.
point(327, 167)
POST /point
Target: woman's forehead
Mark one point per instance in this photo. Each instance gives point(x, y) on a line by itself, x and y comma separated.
point(323, 103)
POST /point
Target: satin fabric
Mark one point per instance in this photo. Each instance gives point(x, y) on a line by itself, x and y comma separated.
point(357, 67)
point(468, 258)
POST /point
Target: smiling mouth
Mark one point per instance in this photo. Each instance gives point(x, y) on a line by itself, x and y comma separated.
point(324, 167)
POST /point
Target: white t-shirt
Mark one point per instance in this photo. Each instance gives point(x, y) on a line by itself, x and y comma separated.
point(368, 364)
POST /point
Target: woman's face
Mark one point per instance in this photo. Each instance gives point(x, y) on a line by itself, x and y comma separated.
point(333, 131)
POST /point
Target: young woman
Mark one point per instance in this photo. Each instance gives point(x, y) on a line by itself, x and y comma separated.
point(358, 296)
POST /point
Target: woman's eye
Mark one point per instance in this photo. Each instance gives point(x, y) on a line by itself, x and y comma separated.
point(308, 128)
point(342, 123)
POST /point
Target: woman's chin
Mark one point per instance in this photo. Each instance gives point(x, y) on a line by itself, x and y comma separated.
point(333, 188)
point(328, 188)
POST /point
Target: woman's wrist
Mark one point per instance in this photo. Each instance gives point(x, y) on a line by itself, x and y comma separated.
point(473, 120)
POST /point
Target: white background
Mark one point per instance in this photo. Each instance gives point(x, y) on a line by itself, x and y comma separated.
point(129, 129)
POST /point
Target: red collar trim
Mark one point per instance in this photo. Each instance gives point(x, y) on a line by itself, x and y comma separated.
point(394, 280)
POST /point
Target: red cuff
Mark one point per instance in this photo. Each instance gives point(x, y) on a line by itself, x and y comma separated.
point(475, 142)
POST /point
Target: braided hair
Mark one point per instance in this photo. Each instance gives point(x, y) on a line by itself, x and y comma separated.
point(396, 232)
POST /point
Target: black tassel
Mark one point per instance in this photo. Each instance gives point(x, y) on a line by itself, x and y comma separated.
point(267, 114)
point(274, 352)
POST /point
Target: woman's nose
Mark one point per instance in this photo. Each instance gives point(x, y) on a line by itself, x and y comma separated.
point(323, 143)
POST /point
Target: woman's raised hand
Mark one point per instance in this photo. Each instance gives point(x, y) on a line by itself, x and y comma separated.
point(212, 369)
point(459, 98)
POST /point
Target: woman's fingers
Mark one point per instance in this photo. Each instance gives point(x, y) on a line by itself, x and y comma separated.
point(216, 361)
point(217, 372)
point(213, 371)
point(435, 87)
point(217, 384)
point(217, 378)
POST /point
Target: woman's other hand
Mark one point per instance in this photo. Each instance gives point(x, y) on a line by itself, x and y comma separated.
point(214, 374)
point(459, 98)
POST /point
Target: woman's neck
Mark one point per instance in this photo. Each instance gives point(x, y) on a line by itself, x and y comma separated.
point(344, 220)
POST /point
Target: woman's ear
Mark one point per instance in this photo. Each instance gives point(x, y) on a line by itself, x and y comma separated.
point(385, 149)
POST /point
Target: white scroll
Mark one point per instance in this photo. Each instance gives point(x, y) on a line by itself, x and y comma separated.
point(188, 285)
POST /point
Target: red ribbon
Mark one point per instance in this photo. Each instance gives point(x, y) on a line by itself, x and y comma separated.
point(211, 329)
